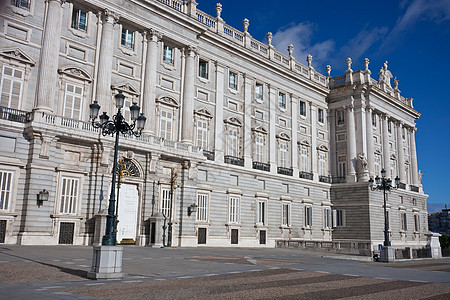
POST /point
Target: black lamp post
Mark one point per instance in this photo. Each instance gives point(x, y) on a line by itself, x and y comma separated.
point(384, 184)
point(110, 127)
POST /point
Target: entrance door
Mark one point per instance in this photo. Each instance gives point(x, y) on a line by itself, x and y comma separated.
point(128, 208)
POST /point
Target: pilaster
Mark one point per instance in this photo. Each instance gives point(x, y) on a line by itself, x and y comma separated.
point(314, 160)
point(400, 153)
point(248, 121)
point(412, 146)
point(272, 132)
point(219, 133)
point(294, 138)
point(386, 150)
point(369, 141)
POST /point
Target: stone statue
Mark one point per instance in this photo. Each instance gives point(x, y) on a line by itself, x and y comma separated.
point(395, 83)
point(419, 176)
point(384, 76)
point(362, 161)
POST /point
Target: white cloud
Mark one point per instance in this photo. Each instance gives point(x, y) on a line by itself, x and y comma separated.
point(359, 45)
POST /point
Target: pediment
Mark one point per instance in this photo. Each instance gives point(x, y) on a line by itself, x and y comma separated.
point(204, 112)
point(322, 148)
point(377, 151)
point(125, 88)
point(233, 121)
point(260, 129)
point(393, 157)
point(166, 100)
point(284, 136)
point(76, 72)
point(17, 54)
point(304, 142)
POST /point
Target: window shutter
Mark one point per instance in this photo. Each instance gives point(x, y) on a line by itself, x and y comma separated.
point(334, 218)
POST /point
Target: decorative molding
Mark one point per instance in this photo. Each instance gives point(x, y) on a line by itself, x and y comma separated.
point(18, 55)
point(126, 88)
point(283, 136)
point(233, 121)
point(204, 112)
point(260, 129)
point(166, 100)
point(76, 72)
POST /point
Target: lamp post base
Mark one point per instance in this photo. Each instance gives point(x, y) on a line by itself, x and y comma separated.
point(106, 262)
point(387, 254)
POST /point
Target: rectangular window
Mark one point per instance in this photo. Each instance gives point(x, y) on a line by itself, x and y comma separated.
point(79, 20)
point(165, 124)
point(320, 116)
point(203, 69)
point(259, 148)
point(389, 126)
point(233, 142)
point(286, 214)
point(283, 154)
point(327, 218)
point(24, 4)
point(127, 39)
point(165, 202)
point(338, 218)
point(416, 222)
point(202, 207)
point(308, 216)
point(403, 221)
point(342, 166)
point(11, 87)
point(6, 181)
point(303, 108)
point(259, 91)
point(202, 134)
point(377, 164)
point(261, 213)
point(168, 55)
point(69, 195)
point(73, 97)
point(304, 166)
point(374, 120)
point(323, 169)
point(232, 81)
point(340, 117)
point(234, 210)
point(281, 100)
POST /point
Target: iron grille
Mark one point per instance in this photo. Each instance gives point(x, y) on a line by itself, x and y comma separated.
point(262, 237)
point(261, 166)
point(234, 236)
point(2, 231)
point(66, 230)
point(202, 236)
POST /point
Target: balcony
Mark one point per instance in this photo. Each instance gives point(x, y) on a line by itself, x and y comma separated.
point(261, 166)
point(209, 154)
point(14, 115)
point(285, 171)
point(233, 160)
point(306, 175)
point(414, 188)
point(402, 186)
point(326, 179)
point(338, 180)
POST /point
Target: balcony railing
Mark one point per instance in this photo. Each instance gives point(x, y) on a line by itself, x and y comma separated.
point(238, 161)
point(326, 179)
point(338, 180)
point(261, 166)
point(209, 154)
point(306, 175)
point(285, 171)
point(402, 186)
point(414, 188)
point(14, 115)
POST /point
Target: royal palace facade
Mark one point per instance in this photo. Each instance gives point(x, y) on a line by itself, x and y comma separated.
point(266, 150)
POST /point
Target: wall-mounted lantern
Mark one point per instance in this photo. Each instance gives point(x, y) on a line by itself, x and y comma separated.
point(192, 209)
point(42, 196)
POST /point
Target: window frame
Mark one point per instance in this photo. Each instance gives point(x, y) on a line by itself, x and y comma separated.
point(202, 211)
point(403, 221)
point(124, 43)
point(261, 212)
point(308, 216)
point(74, 95)
point(261, 95)
point(234, 209)
point(76, 211)
point(9, 190)
point(340, 117)
point(327, 218)
point(203, 75)
point(233, 84)
point(260, 143)
point(170, 60)
point(281, 100)
point(77, 12)
point(286, 214)
point(302, 108)
point(321, 116)
point(171, 119)
point(12, 80)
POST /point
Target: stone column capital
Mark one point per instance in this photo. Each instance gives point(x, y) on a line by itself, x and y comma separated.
point(61, 2)
point(349, 107)
point(191, 51)
point(153, 35)
point(110, 17)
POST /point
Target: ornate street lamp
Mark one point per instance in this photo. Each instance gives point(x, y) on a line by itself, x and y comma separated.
point(110, 127)
point(384, 184)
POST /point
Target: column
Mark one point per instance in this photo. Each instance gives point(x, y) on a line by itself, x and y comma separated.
point(369, 141)
point(48, 68)
point(412, 148)
point(386, 150)
point(149, 80)
point(248, 121)
point(187, 131)
point(400, 153)
point(313, 157)
point(219, 134)
point(332, 131)
point(351, 144)
point(294, 146)
point(272, 133)
point(103, 86)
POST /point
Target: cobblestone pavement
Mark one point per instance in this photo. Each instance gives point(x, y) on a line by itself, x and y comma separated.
point(59, 272)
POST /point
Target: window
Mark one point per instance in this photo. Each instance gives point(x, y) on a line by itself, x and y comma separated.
point(374, 120)
point(232, 81)
point(416, 222)
point(203, 69)
point(11, 87)
point(127, 39)
point(165, 124)
point(320, 116)
point(327, 218)
point(259, 91)
point(168, 55)
point(259, 148)
point(233, 142)
point(202, 207)
point(303, 108)
point(403, 221)
point(323, 169)
point(24, 4)
point(79, 20)
point(414, 201)
point(73, 97)
point(286, 214)
point(69, 195)
point(261, 213)
point(165, 202)
point(339, 218)
point(283, 152)
point(308, 216)
point(389, 126)
point(377, 164)
point(202, 134)
point(340, 117)
point(342, 166)
point(6, 182)
point(304, 161)
point(234, 210)
point(281, 100)
point(392, 168)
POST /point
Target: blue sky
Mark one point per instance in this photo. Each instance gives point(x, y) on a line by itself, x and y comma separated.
point(413, 35)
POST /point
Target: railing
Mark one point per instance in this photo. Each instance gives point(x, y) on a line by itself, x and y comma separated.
point(414, 188)
point(233, 160)
point(285, 171)
point(209, 154)
point(175, 4)
point(261, 166)
point(338, 180)
point(306, 175)
point(206, 19)
point(14, 115)
point(346, 247)
point(326, 179)
point(402, 186)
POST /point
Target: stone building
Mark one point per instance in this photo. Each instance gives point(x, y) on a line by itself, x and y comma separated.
point(267, 149)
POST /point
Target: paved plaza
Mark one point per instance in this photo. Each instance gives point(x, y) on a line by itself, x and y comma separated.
point(59, 272)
